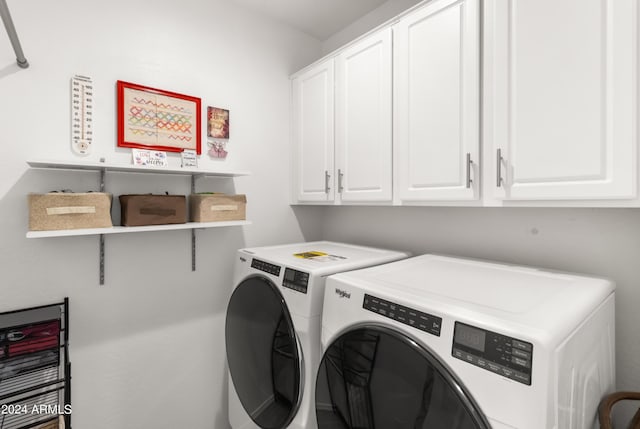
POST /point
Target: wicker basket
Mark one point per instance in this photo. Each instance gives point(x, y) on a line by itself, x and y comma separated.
point(217, 207)
point(62, 210)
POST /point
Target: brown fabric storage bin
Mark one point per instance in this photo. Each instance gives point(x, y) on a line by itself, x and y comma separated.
point(217, 207)
point(140, 210)
point(68, 210)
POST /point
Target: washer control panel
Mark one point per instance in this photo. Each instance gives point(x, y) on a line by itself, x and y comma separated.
point(266, 267)
point(296, 280)
point(507, 356)
point(417, 319)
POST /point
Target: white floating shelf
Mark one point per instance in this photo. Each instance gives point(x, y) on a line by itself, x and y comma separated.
point(97, 166)
point(129, 229)
point(102, 168)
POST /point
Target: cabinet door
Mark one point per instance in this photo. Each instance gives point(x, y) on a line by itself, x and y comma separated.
point(364, 119)
point(313, 138)
point(560, 95)
point(437, 109)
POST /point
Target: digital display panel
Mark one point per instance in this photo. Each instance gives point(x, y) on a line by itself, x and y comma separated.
point(296, 280)
point(470, 337)
point(289, 275)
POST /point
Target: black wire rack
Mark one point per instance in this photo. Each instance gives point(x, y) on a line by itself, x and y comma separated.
point(35, 371)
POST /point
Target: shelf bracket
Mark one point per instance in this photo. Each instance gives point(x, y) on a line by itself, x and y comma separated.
point(193, 231)
point(101, 245)
point(101, 259)
point(193, 249)
point(102, 170)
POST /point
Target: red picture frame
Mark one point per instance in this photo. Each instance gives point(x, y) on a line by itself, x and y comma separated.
point(151, 118)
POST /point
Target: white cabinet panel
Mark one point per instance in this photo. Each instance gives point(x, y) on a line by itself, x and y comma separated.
point(561, 98)
point(313, 134)
point(437, 102)
point(364, 119)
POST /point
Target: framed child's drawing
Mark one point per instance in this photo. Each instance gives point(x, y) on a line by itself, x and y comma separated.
point(151, 118)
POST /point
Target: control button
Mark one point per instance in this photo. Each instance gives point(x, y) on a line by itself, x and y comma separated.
point(520, 353)
point(523, 378)
point(507, 372)
point(493, 367)
point(481, 363)
point(521, 345)
point(521, 362)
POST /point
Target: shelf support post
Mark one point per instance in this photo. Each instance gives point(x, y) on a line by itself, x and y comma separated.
point(193, 231)
point(101, 259)
point(101, 250)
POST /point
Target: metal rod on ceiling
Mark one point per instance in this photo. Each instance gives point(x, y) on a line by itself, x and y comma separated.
point(13, 36)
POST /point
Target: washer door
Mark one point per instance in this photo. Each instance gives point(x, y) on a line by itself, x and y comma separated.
point(373, 377)
point(263, 353)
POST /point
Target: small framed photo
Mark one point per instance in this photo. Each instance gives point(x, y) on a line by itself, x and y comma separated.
point(150, 118)
point(217, 123)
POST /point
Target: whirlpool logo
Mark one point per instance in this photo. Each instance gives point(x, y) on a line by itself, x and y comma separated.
point(343, 294)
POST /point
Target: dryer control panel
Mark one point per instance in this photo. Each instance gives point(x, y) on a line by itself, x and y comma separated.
point(424, 321)
point(266, 267)
point(296, 280)
point(507, 356)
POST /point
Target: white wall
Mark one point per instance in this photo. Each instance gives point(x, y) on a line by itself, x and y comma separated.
point(148, 347)
point(599, 242)
point(378, 16)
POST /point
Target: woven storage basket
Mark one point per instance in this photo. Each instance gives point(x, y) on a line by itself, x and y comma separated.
point(62, 210)
point(217, 207)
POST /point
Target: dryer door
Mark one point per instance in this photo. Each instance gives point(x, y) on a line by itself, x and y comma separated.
point(374, 377)
point(263, 353)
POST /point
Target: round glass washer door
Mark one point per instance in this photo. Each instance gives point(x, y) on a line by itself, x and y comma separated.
point(374, 377)
point(263, 354)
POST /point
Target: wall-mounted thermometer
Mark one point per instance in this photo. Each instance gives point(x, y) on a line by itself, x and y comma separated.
point(81, 114)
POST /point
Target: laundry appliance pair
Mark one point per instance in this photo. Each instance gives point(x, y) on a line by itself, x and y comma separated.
point(315, 340)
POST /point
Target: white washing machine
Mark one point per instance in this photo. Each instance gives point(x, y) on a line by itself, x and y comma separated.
point(272, 328)
point(445, 343)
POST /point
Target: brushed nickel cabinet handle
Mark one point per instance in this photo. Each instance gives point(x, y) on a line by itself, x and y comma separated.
point(499, 159)
point(469, 162)
point(327, 176)
point(340, 187)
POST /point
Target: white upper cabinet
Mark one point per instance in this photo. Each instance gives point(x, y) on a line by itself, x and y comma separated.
point(364, 120)
point(437, 131)
point(547, 116)
point(560, 99)
point(313, 134)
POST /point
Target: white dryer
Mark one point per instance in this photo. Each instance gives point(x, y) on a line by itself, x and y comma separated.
point(445, 343)
point(272, 329)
